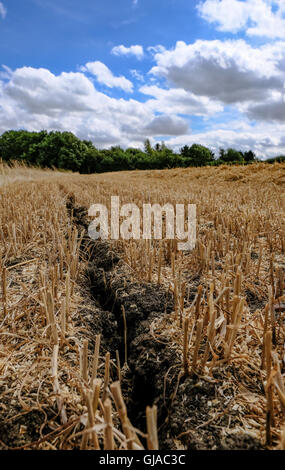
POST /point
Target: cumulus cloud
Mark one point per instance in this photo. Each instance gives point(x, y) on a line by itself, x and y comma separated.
point(207, 74)
point(121, 50)
point(257, 17)
point(179, 101)
point(39, 91)
point(3, 10)
point(229, 71)
point(265, 140)
point(104, 75)
point(37, 99)
point(200, 81)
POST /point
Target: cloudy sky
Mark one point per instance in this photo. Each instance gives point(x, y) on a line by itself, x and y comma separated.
point(118, 71)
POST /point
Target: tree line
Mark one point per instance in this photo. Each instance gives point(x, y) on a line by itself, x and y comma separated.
point(63, 150)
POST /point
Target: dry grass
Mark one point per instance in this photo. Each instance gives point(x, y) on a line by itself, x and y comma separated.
point(17, 172)
point(229, 301)
point(47, 380)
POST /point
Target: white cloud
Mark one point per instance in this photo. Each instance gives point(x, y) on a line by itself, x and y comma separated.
point(179, 101)
point(37, 99)
point(231, 15)
point(137, 75)
point(257, 17)
point(39, 91)
point(104, 75)
point(228, 71)
point(3, 10)
point(156, 49)
point(121, 50)
point(206, 74)
point(265, 140)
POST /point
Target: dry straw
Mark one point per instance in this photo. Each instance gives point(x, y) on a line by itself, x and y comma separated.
point(229, 330)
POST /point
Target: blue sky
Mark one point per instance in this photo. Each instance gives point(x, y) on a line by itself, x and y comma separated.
point(116, 72)
point(59, 34)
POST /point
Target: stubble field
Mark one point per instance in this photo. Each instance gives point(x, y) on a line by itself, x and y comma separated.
point(134, 344)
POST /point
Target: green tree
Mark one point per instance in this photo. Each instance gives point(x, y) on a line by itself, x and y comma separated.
point(232, 156)
point(21, 145)
point(249, 156)
point(147, 147)
point(222, 154)
point(196, 155)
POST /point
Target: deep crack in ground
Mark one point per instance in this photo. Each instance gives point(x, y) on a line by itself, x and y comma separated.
point(155, 368)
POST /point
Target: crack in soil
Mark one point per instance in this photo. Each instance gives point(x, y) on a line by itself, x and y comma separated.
point(154, 376)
